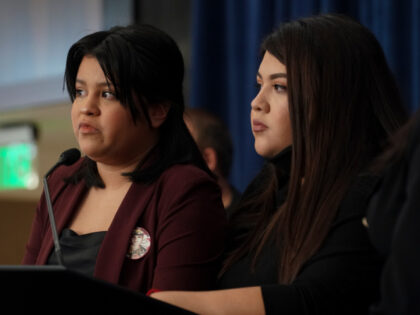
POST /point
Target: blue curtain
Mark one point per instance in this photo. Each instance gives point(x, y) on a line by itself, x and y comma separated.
point(226, 35)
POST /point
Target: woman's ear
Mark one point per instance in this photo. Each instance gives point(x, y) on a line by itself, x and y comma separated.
point(158, 114)
point(210, 156)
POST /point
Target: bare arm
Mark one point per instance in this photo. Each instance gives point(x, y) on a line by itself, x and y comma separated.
point(231, 301)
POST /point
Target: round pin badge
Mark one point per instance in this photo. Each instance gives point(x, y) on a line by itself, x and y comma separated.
point(140, 243)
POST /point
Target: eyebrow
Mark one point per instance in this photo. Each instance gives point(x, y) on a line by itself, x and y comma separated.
point(98, 84)
point(274, 75)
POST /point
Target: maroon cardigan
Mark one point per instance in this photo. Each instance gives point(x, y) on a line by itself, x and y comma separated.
point(181, 210)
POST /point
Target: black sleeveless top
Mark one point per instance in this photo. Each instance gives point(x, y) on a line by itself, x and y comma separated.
point(79, 251)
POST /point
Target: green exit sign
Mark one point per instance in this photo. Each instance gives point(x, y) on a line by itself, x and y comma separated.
point(17, 156)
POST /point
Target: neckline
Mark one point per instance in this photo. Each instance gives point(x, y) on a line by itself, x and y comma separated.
point(70, 232)
point(282, 161)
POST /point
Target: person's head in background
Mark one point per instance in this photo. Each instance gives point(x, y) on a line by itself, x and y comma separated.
point(327, 90)
point(133, 62)
point(214, 141)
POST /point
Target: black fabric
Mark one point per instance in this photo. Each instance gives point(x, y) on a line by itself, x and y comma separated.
point(236, 196)
point(248, 220)
point(341, 278)
point(240, 274)
point(79, 251)
point(282, 162)
point(394, 219)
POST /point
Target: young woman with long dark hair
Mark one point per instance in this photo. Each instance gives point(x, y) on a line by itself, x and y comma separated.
point(327, 102)
point(140, 209)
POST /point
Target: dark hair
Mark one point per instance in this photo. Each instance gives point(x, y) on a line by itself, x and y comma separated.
point(146, 67)
point(343, 103)
point(212, 132)
point(397, 144)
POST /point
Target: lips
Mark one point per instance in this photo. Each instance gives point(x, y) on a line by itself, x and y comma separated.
point(258, 126)
point(86, 128)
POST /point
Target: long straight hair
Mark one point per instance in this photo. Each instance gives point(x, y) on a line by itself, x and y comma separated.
point(343, 103)
point(146, 67)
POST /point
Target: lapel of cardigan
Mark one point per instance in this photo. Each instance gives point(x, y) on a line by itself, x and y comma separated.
point(64, 201)
point(115, 245)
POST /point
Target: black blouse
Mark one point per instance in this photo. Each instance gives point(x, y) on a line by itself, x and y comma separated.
point(341, 278)
point(394, 219)
point(79, 251)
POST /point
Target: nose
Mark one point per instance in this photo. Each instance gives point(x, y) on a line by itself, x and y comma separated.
point(259, 103)
point(89, 107)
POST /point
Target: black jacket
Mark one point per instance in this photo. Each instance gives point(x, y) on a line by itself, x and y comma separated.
point(394, 227)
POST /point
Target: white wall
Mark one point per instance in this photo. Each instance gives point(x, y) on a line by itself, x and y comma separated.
point(35, 36)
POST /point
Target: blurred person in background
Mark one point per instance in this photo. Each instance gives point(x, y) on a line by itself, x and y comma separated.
point(215, 143)
point(393, 221)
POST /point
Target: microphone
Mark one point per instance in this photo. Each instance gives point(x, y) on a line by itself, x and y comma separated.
point(68, 157)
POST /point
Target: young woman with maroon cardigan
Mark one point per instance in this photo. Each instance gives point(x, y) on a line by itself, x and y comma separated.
point(140, 209)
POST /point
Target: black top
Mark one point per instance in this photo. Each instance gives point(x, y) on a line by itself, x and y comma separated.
point(236, 196)
point(266, 268)
point(341, 278)
point(394, 219)
point(79, 251)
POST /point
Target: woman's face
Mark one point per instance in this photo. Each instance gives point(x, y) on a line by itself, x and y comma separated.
point(103, 127)
point(270, 118)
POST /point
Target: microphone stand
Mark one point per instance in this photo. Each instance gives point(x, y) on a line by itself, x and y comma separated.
point(57, 247)
point(68, 157)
